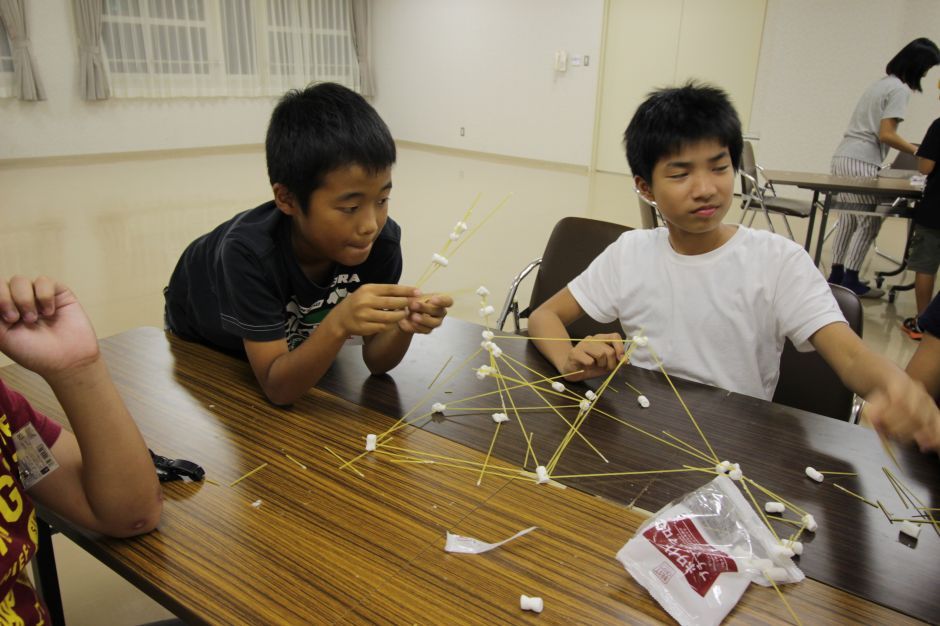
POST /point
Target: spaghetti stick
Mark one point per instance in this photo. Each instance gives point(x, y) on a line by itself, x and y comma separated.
point(760, 510)
point(635, 390)
point(782, 597)
point(244, 476)
point(488, 453)
point(783, 519)
point(473, 230)
point(855, 495)
point(302, 466)
point(441, 371)
point(651, 435)
point(637, 473)
point(529, 449)
point(771, 494)
point(682, 402)
point(684, 443)
point(345, 462)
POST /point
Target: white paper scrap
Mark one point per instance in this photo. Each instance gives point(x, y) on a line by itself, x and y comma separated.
point(469, 545)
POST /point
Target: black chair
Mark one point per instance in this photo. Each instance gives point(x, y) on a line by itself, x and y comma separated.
point(573, 244)
point(806, 380)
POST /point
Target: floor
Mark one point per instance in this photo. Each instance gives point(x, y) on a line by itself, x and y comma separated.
point(112, 228)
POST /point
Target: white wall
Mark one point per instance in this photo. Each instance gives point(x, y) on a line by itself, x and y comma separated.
point(64, 124)
point(486, 65)
point(817, 57)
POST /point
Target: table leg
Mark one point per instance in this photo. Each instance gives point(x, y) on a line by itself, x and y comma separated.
point(812, 220)
point(46, 575)
point(822, 228)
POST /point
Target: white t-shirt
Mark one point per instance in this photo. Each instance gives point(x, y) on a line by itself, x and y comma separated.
point(719, 318)
point(884, 99)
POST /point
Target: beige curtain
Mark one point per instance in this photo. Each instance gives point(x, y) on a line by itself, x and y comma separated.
point(93, 81)
point(27, 85)
point(362, 40)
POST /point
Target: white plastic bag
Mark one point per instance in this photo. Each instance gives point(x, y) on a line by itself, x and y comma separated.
point(697, 555)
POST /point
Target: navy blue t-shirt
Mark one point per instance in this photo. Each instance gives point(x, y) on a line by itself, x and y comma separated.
point(927, 212)
point(241, 281)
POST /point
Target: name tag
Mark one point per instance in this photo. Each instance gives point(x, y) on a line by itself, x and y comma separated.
point(34, 459)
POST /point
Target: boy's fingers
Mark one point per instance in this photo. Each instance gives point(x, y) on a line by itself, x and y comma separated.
point(7, 311)
point(398, 291)
point(45, 291)
point(21, 290)
point(390, 303)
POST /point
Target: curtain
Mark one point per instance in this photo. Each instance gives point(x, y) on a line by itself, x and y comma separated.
point(27, 85)
point(362, 40)
point(205, 48)
point(93, 82)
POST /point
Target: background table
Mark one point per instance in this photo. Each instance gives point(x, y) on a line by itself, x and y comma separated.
point(827, 184)
point(329, 546)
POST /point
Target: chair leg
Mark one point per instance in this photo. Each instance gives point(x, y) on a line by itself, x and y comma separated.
point(786, 223)
point(770, 223)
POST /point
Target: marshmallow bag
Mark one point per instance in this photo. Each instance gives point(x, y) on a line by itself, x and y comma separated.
point(698, 554)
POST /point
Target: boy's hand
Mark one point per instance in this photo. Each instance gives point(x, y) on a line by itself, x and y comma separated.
point(372, 308)
point(594, 356)
point(43, 327)
point(425, 314)
point(903, 410)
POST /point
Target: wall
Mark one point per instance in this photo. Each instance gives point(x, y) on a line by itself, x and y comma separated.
point(817, 58)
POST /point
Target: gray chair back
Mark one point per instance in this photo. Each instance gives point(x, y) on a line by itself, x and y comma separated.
point(806, 380)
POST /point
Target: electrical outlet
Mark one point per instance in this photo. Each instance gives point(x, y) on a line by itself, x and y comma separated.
point(461, 131)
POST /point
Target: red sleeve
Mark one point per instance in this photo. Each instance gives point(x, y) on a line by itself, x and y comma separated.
point(19, 413)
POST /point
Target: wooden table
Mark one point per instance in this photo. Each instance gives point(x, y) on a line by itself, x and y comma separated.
point(828, 185)
point(326, 545)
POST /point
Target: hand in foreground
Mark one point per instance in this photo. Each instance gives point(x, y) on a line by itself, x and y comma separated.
point(594, 356)
point(426, 313)
point(372, 308)
point(43, 327)
point(903, 410)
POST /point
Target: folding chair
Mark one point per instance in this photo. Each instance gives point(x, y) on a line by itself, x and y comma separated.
point(806, 380)
point(755, 197)
point(573, 244)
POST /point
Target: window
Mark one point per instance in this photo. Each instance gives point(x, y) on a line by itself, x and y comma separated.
point(178, 48)
point(6, 64)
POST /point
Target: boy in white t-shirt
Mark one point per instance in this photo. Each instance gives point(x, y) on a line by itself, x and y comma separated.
point(716, 300)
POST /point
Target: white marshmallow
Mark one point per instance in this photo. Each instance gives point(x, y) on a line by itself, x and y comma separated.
point(487, 345)
point(484, 370)
point(796, 546)
point(256, 503)
point(483, 291)
point(488, 335)
point(721, 469)
point(776, 574)
point(584, 405)
point(590, 395)
point(531, 604)
point(542, 474)
point(812, 473)
point(810, 522)
point(557, 386)
point(371, 441)
point(643, 401)
point(781, 551)
point(774, 507)
point(439, 260)
point(760, 564)
point(496, 351)
point(461, 227)
point(454, 236)
point(438, 407)
point(641, 340)
point(487, 310)
point(735, 474)
point(910, 529)
point(500, 417)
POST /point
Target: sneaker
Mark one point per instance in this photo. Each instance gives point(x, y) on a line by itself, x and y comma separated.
point(910, 327)
point(864, 292)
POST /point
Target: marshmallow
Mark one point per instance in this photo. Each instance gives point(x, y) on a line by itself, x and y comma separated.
point(584, 405)
point(483, 371)
point(256, 503)
point(542, 475)
point(812, 473)
point(371, 441)
point(781, 551)
point(774, 507)
point(496, 351)
point(439, 260)
point(487, 310)
point(760, 564)
point(488, 335)
point(590, 395)
point(500, 417)
point(735, 474)
point(640, 340)
point(910, 529)
point(796, 546)
point(461, 227)
point(776, 574)
point(721, 469)
point(557, 386)
point(483, 291)
point(810, 523)
point(454, 236)
point(487, 345)
point(643, 401)
point(531, 604)
point(438, 407)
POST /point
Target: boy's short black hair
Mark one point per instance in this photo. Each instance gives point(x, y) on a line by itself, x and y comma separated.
point(914, 61)
point(318, 129)
point(674, 117)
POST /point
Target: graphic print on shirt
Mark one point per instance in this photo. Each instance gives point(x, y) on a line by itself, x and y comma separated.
point(302, 320)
